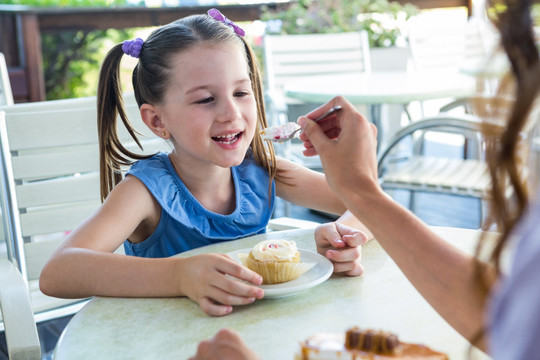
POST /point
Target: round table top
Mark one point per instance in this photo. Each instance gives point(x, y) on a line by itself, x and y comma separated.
point(392, 87)
point(171, 328)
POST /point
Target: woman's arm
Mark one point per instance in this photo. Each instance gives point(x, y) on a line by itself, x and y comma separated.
point(442, 273)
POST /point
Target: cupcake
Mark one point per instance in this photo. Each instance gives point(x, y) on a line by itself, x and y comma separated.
point(277, 261)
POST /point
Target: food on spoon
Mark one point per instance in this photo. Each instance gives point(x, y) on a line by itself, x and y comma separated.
point(279, 133)
point(277, 261)
point(357, 344)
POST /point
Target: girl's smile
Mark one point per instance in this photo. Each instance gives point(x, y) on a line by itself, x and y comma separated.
point(228, 139)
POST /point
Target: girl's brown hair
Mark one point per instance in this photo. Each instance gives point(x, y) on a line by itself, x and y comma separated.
point(151, 77)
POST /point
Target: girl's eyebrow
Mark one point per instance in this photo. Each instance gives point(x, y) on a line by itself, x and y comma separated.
point(204, 87)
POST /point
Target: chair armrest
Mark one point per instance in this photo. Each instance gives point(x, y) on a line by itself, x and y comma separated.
point(444, 122)
point(20, 327)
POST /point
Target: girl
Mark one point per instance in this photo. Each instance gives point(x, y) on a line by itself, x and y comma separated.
point(197, 84)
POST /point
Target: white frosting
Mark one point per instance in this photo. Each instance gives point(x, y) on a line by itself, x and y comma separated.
point(326, 346)
point(278, 133)
point(274, 250)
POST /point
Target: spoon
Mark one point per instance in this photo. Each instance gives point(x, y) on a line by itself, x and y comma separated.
point(288, 131)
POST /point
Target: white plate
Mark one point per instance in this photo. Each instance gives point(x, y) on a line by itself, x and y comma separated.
point(317, 274)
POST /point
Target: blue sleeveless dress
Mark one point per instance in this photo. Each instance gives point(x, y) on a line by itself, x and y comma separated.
point(185, 224)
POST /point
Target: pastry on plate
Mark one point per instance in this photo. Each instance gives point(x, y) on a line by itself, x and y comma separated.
point(358, 344)
point(277, 261)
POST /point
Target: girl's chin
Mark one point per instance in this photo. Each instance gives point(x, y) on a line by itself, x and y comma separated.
point(228, 159)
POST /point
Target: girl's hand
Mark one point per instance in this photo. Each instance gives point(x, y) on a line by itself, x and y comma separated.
point(225, 345)
point(341, 245)
point(204, 280)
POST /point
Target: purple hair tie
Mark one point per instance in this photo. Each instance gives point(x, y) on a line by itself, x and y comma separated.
point(132, 47)
point(217, 15)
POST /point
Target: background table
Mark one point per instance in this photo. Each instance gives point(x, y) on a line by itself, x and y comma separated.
point(171, 328)
point(383, 88)
point(379, 87)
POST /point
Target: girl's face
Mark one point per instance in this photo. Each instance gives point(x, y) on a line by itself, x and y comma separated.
point(209, 107)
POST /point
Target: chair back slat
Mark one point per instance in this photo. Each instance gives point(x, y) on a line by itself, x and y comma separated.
point(291, 57)
point(37, 254)
point(57, 219)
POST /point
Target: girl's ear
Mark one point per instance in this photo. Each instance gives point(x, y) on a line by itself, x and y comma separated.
point(152, 118)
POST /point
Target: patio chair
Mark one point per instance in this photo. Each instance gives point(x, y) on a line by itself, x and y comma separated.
point(50, 181)
point(6, 96)
point(290, 58)
point(457, 46)
point(20, 328)
point(404, 165)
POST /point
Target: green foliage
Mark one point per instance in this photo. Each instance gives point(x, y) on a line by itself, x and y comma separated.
point(383, 20)
point(71, 59)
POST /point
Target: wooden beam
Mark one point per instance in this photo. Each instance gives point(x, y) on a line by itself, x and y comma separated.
point(34, 63)
point(122, 18)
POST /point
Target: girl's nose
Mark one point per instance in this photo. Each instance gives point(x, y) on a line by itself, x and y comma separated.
point(229, 111)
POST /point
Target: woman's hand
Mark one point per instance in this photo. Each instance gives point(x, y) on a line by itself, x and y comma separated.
point(204, 280)
point(342, 245)
point(225, 345)
point(347, 145)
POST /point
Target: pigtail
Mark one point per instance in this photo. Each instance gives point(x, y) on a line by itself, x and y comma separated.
point(263, 151)
point(110, 105)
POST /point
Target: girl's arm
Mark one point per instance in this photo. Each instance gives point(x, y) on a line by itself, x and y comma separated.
point(339, 241)
point(306, 188)
point(84, 265)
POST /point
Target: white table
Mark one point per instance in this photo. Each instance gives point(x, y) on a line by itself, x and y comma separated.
point(383, 88)
point(375, 88)
point(171, 328)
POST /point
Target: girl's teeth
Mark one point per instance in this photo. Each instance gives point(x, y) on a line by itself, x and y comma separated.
point(227, 139)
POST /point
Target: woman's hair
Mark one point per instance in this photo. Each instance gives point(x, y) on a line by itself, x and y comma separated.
point(505, 140)
point(514, 100)
point(151, 77)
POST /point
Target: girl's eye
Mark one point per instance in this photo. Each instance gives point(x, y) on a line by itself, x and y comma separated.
point(205, 100)
point(241, 93)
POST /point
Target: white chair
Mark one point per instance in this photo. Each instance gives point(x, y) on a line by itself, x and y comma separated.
point(403, 165)
point(437, 41)
point(50, 182)
point(289, 58)
point(6, 96)
point(452, 45)
point(20, 328)
point(409, 168)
